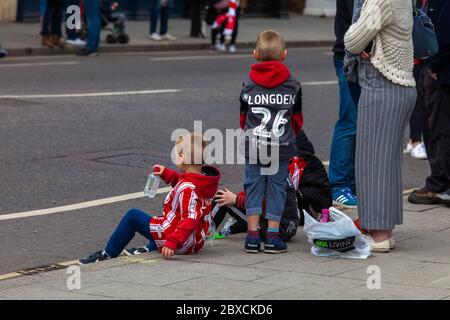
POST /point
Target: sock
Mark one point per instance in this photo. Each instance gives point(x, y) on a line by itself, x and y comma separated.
point(106, 254)
point(253, 234)
point(273, 233)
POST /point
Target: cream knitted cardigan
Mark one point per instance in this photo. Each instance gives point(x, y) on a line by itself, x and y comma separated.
point(389, 24)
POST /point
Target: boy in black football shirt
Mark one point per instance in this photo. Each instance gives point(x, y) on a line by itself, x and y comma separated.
point(271, 116)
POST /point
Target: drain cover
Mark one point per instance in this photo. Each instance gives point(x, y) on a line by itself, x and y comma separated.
point(136, 160)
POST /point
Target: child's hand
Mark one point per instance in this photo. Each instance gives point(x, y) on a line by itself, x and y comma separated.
point(167, 252)
point(158, 169)
point(225, 198)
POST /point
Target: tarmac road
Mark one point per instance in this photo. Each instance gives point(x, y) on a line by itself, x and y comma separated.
point(64, 139)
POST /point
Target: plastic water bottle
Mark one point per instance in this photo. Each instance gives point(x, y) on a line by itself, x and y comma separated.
point(211, 240)
point(226, 228)
point(151, 188)
point(325, 216)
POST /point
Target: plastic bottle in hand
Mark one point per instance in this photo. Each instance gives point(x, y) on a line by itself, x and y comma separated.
point(325, 216)
point(151, 188)
point(226, 230)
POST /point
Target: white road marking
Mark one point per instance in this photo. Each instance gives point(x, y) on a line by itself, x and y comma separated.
point(38, 64)
point(204, 57)
point(78, 206)
point(86, 95)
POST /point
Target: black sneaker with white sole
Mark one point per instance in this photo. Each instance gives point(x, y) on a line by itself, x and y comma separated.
point(275, 245)
point(252, 245)
point(95, 257)
point(135, 251)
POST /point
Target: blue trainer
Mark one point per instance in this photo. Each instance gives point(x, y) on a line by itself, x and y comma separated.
point(275, 245)
point(252, 245)
point(344, 197)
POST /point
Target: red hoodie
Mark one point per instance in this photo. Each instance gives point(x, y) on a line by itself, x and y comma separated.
point(185, 221)
point(269, 75)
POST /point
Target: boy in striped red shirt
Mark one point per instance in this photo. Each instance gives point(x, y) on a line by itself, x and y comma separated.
point(185, 221)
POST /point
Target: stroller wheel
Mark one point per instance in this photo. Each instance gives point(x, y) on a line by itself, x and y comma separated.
point(123, 38)
point(111, 39)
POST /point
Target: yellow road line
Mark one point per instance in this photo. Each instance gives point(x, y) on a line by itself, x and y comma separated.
point(10, 275)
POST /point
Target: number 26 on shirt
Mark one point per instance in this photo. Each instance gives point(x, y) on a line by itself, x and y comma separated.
point(278, 123)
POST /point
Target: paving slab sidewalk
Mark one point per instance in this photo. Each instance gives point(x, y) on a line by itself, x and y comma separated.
point(418, 268)
point(23, 38)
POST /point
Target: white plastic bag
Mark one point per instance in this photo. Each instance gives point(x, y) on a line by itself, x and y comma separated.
point(337, 238)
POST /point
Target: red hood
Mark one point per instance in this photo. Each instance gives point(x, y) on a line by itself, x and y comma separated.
point(269, 74)
point(207, 183)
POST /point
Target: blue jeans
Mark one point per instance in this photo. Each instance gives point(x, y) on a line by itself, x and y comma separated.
point(52, 19)
point(134, 220)
point(92, 12)
point(342, 157)
point(272, 187)
point(42, 7)
point(155, 11)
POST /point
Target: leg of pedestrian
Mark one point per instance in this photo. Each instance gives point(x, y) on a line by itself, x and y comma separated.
point(342, 156)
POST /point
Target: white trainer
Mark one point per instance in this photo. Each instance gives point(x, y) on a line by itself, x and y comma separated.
point(77, 42)
point(169, 37)
point(232, 48)
point(408, 149)
point(155, 37)
point(419, 152)
point(220, 47)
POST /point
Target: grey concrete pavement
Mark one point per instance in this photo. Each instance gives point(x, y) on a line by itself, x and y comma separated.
point(418, 268)
point(23, 38)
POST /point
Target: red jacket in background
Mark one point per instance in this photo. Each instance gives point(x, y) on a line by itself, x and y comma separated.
point(185, 221)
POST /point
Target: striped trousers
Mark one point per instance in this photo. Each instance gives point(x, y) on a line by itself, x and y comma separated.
point(384, 110)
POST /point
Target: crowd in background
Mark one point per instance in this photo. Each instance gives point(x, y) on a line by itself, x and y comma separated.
point(221, 15)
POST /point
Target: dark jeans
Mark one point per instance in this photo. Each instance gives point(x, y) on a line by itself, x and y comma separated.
point(437, 130)
point(51, 25)
point(134, 221)
point(71, 33)
point(92, 12)
point(342, 157)
point(157, 10)
point(417, 121)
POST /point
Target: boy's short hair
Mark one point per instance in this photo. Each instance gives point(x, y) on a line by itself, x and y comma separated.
point(192, 146)
point(270, 45)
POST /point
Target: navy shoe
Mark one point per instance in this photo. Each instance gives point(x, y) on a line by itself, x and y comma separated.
point(275, 245)
point(94, 258)
point(252, 245)
point(344, 197)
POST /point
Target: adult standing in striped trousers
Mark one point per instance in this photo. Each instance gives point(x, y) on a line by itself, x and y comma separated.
point(382, 37)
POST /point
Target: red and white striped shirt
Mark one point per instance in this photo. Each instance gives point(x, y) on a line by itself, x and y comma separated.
point(186, 211)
